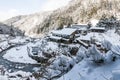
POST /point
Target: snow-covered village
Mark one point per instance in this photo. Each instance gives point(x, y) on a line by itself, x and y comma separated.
point(79, 40)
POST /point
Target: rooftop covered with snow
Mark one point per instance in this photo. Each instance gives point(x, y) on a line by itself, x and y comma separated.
point(97, 28)
point(64, 31)
point(55, 37)
point(84, 38)
point(80, 26)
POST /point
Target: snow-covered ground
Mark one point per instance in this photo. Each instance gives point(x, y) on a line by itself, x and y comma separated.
point(88, 70)
point(19, 75)
point(112, 37)
point(19, 54)
point(18, 39)
point(85, 70)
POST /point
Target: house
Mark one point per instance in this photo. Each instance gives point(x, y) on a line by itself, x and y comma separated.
point(65, 35)
point(97, 29)
point(84, 40)
point(82, 29)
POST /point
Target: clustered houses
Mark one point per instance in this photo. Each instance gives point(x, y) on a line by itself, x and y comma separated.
point(76, 34)
point(82, 34)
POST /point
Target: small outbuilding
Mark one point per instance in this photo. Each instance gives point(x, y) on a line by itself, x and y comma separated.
point(97, 29)
point(84, 40)
point(82, 29)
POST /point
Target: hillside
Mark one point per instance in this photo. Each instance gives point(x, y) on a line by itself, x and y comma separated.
point(10, 30)
point(77, 11)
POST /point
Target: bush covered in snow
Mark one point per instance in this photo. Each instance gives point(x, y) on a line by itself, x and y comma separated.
point(59, 60)
point(116, 49)
point(110, 57)
point(106, 44)
point(63, 63)
point(95, 55)
point(81, 53)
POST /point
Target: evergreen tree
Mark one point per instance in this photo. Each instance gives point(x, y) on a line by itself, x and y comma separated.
point(108, 23)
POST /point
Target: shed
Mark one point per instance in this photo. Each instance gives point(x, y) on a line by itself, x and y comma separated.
point(97, 29)
point(86, 39)
point(82, 29)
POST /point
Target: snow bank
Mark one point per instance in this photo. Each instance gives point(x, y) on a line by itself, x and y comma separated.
point(116, 75)
point(112, 37)
point(3, 77)
point(86, 71)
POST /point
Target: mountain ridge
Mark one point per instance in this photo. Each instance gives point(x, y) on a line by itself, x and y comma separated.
point(77, 11)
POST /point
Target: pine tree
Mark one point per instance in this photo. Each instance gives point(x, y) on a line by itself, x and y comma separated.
point(108, 23)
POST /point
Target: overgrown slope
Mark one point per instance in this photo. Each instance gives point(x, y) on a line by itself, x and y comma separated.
point(10, 30)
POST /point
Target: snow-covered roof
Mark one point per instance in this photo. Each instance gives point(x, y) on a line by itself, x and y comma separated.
point(83, 43)
point(98, 43)
point(97, 28)
point(65, 39)
point(80, 27)
point(64, 31)
point(55, 37)
point(83, 38)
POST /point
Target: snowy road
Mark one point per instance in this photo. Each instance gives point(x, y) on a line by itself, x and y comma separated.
point(13, 66)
